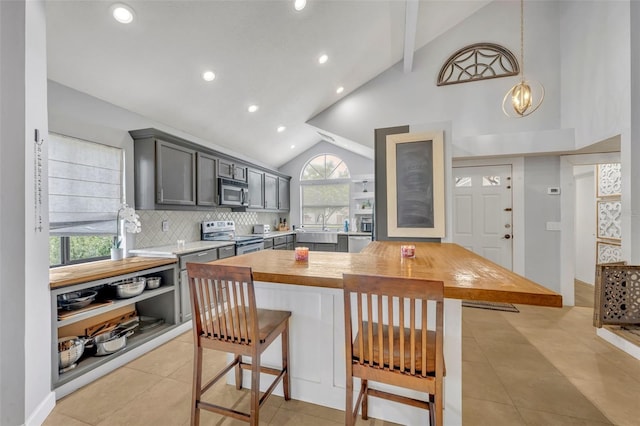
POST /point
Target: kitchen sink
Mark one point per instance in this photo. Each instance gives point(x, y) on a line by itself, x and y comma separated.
point(330, 237)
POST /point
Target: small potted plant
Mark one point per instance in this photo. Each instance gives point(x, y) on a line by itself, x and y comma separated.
point(131, 222)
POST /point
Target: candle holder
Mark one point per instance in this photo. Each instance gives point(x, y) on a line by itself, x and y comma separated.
point(302, 254)
point(408, 251)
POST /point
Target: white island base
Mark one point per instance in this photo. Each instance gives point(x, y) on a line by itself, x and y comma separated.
point(317, 354)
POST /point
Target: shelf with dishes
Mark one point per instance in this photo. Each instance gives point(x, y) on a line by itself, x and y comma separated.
point(95, 322)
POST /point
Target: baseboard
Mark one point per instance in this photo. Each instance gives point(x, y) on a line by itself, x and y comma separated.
point(617, 341)
point(42, 411)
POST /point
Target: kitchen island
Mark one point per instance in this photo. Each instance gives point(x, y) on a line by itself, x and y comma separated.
point(313, 292)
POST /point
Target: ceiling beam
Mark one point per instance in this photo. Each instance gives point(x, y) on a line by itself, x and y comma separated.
point(410, 28)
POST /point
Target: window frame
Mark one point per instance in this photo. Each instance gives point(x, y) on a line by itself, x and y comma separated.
point(324, 182)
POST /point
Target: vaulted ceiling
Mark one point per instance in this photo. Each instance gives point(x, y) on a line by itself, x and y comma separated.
point(262, 52)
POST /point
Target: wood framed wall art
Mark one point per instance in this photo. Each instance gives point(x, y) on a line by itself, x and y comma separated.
point(415, 185)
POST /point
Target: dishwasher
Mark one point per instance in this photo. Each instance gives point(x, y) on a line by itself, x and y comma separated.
point(358, 242)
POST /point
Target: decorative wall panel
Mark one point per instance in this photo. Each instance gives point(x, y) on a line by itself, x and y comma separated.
point(478, 61)
point(609, 219)
point(608, 252)
point(618, 295)
point(609, 180)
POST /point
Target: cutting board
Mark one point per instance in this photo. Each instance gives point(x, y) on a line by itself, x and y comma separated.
point(63, 315)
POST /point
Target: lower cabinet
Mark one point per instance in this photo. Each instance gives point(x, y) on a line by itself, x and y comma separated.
point(202, 256)
point(281, 242)
point(112, 324)
point(341, 246)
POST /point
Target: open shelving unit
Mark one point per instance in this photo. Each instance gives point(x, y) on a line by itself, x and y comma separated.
point(362, 202)
point(161, 303)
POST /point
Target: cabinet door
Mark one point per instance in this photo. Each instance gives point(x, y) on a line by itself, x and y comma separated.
point(207, 182)
point(256, 189)
point(225, 169)
point(283, 194)
point(343, 243)
point(175, 174)
point(240, 172)
point(270, 192)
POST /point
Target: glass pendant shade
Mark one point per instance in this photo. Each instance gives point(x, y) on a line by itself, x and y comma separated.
point(521, 100)
point(521, 97)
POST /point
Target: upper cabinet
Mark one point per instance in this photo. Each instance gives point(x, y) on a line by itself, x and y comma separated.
point(207, 185)
point(165, 174)
point(270, 192)
point(256, 189)
point(173, 173)
point(283, 193)
point(230, 170)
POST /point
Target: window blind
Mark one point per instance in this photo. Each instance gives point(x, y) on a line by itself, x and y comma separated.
point(85, 186)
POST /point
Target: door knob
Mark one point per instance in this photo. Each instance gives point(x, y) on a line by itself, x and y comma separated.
point(507, 236)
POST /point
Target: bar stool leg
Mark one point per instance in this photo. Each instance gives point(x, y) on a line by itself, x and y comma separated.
point(285, 363)
point(255, 389)
point(238, 372)
point(196, 392)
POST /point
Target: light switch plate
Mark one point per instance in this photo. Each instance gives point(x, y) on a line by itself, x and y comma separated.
point(165, 226)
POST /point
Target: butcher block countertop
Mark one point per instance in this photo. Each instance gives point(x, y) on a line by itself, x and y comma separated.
point(75, 274)
point(465, 274)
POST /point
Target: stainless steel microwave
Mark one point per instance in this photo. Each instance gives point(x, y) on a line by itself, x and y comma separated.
point(232, 192)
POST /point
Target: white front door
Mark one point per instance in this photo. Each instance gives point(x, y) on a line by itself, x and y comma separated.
point(482, 211)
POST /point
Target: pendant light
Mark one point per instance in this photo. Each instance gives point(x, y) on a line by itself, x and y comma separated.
point(521, 100)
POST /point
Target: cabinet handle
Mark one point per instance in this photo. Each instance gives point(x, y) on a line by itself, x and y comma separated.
point(203, 254)
point(161, 194)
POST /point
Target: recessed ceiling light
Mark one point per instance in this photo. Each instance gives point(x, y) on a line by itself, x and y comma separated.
point(252, 108)
point(339, 90)
point(293, 146)
point(299, 4)
point(323, 58)
point(281, 129)
point(122, 13)
point(208, 76)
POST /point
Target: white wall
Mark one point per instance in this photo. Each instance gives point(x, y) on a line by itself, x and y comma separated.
point(595, 67)
point(25, 340)
point(542, 246)
point(585, 223)
point(357, 164)
point(395, 98)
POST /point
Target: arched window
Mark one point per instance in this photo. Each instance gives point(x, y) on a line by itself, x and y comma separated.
point(324, 186)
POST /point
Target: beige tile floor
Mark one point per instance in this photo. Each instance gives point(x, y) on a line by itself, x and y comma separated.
point(542, 366)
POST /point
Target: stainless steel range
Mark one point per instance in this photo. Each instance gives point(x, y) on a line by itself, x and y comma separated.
point(225, 230)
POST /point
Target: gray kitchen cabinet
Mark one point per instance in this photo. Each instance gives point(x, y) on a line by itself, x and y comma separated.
point(283, 193)
point(317, 246)
point(270, 192)
point(164, 173)
point(291, 241)
point(175, 174)
point(171, 173)
point(256, 189)
point(207, 185)
point(280, 242)
point(268, 243)
point(228, 251)
point(343, 243)
point(230, 170)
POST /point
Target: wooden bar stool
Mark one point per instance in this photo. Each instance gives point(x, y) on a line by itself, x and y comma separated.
point(225, 318)
point(407, 355)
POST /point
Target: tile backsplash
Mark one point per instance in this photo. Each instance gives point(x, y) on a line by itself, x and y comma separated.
point(185, 225)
